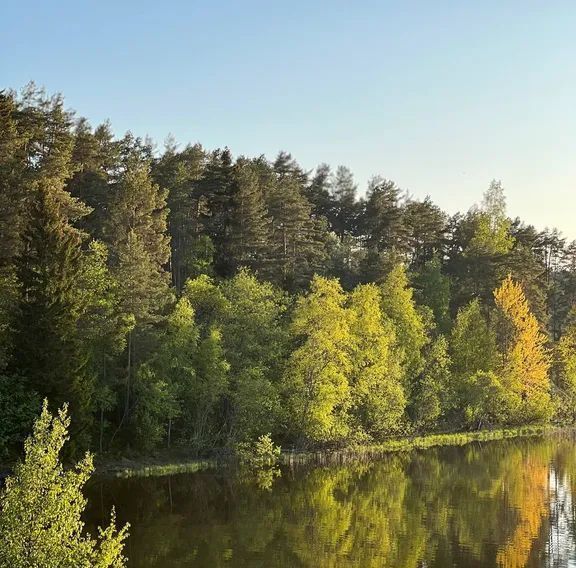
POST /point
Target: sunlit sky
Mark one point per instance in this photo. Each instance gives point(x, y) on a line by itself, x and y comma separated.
point(440, 96)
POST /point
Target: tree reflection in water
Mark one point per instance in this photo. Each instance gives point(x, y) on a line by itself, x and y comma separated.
point(498, 504)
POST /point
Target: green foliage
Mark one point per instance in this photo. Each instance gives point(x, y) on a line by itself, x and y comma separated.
point(491, 225)
point(125, 290)
point(255, 341)
point(18, 408)
point(316, 379)
point(472, 342)
point(430, 399)
point(376, 376)
point(565, 376)
point(42, 504)
point(8, 301)
point(206, 299)
point(192, 251)
point(472, 350)
point(432, 289)
point(399, 307)
point(260, 453)
point(487, 402)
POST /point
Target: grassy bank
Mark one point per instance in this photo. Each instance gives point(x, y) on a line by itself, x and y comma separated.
point(172, 464)
point(147, 467)
point(373, 451)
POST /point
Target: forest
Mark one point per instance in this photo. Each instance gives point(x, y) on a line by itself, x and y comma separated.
point(192, 299)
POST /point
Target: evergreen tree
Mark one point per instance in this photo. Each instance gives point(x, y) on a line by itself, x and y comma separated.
point(139, 253)
point(96, 157)
point(345, 207)
point(425, 227)
point(318, 194)
point(47, 351)
point(181, 174)
point(285, 166)
point(249, 225)
point(383, 218)
point(15, 177)
point(296, 247)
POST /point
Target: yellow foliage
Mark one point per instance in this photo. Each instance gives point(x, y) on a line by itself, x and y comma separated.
point(528, 494)
point(526, 361)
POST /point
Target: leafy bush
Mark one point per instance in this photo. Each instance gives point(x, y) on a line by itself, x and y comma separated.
point(258, 454)
point(42, 504)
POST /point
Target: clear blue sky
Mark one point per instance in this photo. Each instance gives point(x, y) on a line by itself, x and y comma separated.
point(440, 96)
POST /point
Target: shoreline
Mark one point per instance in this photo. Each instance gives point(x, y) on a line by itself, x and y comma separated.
point(170, 464)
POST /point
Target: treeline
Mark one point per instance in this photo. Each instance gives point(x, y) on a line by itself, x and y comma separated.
point(190, 298)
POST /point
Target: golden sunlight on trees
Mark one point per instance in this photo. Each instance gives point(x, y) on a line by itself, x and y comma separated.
point(525, 358)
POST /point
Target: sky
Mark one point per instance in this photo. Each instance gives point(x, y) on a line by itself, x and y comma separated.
point(439, 96)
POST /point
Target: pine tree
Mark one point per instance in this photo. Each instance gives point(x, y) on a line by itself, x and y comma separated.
point(216, 187)
point(249, 224)
point(343, 191)
point(47, 350)
point(296, 247)
point(383, 220)
point(139, 252)
point(318, 194)
point(425, 226)
point(14, 178)
point(96, 157)
point(181, 174)
point(285, 166)
point(14, 195)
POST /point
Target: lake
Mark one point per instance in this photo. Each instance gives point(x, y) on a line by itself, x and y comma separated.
point(506, 504)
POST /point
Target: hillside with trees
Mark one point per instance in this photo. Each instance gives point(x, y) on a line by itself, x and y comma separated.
point(196, 299)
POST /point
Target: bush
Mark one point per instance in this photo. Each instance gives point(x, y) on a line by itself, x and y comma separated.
point(258, 454)
point(41, 508)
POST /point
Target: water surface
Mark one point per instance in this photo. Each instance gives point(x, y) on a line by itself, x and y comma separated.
point(494, 504)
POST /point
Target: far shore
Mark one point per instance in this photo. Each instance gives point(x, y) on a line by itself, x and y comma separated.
point(175, 462)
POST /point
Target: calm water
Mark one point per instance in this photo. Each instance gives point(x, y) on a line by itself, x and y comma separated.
point(507, 504)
